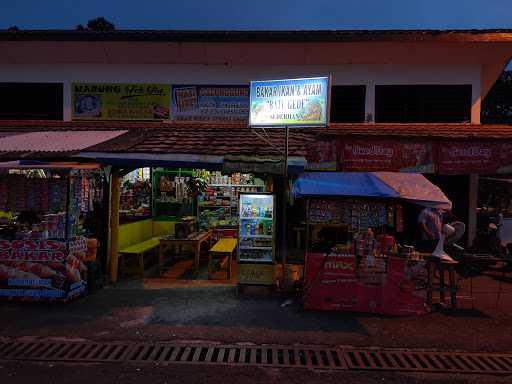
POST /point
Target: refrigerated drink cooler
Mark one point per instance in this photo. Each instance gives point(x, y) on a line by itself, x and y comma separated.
point(256, 250)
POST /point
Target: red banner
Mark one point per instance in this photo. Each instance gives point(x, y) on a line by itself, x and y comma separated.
point(469, 157)
point(449, 158)
point(505, 158)
point(321, 156)
point(367, 156)
point(416, 157)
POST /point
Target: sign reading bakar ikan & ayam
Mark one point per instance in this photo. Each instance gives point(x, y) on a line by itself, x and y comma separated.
point(291, 102)
point(100, 101)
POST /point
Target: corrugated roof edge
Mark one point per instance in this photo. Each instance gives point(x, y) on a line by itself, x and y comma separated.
point(140, 130)
point(261, 35)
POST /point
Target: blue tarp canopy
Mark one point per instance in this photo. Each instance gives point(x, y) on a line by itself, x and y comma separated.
point(341, 184)
point(413, 187)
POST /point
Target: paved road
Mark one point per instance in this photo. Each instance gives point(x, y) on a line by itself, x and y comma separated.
point(29, 373)
point(156, 311)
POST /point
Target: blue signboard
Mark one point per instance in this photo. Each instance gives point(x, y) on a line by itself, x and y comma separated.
point(291, 102)
point(210, 102)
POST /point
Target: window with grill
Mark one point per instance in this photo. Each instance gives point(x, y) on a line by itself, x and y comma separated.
point(422, 103)
point(31, 101)
point(347, 103)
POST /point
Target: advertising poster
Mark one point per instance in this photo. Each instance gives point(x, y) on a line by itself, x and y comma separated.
point(321, 156)
point(416, 157)
point(505, 158)
point(42, 269)
point(468, 157)
point(368, 156)
point(330, 281)
point(100, 101)
point(292, 102)
point(210, 102)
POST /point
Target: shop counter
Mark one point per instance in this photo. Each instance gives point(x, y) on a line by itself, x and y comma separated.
point(338, 282)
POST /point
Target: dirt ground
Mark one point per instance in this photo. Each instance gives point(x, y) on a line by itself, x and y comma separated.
point(158, 310)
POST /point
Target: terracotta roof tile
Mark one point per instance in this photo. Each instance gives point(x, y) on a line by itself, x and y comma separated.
point(238, 139)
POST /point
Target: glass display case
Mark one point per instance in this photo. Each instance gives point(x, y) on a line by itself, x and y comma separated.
point(256, 228)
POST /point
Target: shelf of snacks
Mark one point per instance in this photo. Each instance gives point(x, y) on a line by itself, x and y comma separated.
point(44, 250)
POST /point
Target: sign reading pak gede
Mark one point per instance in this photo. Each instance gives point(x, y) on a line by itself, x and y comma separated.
point(291, 102)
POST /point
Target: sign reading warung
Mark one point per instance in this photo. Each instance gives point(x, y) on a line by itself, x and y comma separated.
point(101, 101)
point(291, 102)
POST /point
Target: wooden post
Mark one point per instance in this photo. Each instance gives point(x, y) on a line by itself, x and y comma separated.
point(114, 223)
point(473, 204)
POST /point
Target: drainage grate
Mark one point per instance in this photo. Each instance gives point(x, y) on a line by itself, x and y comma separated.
point(277, 356)
point(428, 361)
point(313, 357)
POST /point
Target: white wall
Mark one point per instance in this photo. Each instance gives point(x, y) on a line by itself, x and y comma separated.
point(370, 75)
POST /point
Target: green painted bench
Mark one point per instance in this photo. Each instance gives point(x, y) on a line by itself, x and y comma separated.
point(139, 250)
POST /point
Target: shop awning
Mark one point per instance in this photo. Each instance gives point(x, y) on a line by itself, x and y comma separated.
point(55, 141)
point(341, 184)
point(33, 164)
point(416, 188)
point(413, 187)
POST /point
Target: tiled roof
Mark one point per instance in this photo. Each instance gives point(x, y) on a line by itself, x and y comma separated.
point(237, 139)
point(431, 130)
point(260, 36)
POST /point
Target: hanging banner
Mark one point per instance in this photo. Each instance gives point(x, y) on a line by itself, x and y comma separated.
point(416, 157)
point(99, 101)
point(468, 157)
point(210, 102)
point(291, 102)
point(42, 269)
point(368, 156)
point(321, 156)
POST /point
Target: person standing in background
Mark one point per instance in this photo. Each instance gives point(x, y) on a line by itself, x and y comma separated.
point(431, 224)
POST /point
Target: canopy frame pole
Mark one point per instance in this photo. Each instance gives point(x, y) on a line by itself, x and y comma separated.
point(115, 197)
point(284, 247)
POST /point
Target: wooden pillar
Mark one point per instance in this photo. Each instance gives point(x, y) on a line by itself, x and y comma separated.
point(115, 197)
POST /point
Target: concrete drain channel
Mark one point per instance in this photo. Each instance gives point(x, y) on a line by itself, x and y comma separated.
point(312, 357)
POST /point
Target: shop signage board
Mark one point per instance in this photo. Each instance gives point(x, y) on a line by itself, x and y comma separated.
point(210, 103)
point(367, 156)
point(109, 101)
point(289, 103)
point(42, 269)
point(386, 155)
point(469, 157)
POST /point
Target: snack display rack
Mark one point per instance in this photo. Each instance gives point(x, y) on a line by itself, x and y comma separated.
point(42, 252)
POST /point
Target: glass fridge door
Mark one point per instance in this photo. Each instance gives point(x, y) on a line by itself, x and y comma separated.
point(256, 228)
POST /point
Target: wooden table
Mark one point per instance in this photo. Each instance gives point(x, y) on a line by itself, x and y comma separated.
point(195, 240)
point(436, 264)
point(225, 247)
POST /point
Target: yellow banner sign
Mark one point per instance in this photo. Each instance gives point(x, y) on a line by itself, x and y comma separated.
point(100, 101)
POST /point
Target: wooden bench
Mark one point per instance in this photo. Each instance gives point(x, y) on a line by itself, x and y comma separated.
point(139, 250)
point(223, 249)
